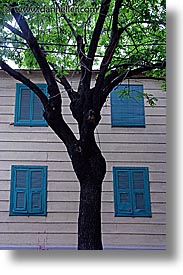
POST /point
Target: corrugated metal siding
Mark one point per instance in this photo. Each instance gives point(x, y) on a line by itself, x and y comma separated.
point(121, 147)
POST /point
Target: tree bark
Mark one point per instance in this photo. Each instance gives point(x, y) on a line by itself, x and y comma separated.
point(89, 221)
point(90, 170)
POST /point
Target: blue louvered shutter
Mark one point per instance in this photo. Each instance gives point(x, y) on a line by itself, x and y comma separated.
point(25, 102)
point(124, 199)
point(28, 190)
point(122, 192)
point(20, 191)
point(140, 187)
point(131, 191)
point(37, 109)
point(127, 112)
point(28, 107)
point(36, 191)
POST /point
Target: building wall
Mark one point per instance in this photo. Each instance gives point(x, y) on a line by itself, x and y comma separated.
point(120, 146)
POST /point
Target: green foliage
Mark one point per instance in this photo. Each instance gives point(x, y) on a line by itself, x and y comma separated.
point(126, 93)
point(142, 42)
point(151, 99)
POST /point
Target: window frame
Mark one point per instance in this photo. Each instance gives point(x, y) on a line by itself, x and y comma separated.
point(132, 191)
point(28, 211)
point(31, 121)
point(140, 123)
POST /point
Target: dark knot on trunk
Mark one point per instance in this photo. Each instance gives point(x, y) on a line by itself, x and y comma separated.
point(91, 117)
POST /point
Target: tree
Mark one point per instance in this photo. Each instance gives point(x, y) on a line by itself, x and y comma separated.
point(123, 39)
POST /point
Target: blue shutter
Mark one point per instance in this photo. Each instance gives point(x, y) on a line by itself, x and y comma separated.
point(124, 199)
point(141, 192)
point(36, 191)
point(122, 192)
point(131, 191)
point(125, 111)
point(21, 191)
point(20, 201)
point(28, 107)
point(28, 190)
point(25, 101)
point(37, 110)
point(18, 196)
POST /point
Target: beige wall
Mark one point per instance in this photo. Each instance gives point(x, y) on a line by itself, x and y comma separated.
point(120, 146)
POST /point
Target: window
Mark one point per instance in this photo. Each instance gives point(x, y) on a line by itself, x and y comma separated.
point(28, 107)
point(28, 190)
point(127, 108)
point(131, 191)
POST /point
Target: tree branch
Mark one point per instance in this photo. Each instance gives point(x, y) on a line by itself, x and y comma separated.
point(14, 30)
point(65, 83)
point(115, 78)
point(117, 7)
point(113, 44)
point(20, 77)
point(66, 19)
point(104, 66)
point(39, 55)
point(133, 41)
point(148, 77)
point(71, 93)
point(80, 47)
point(69, 23)
point(61, 129)
point(97, 31)
point(143, 22)
point(115, 35)
point(55, 121)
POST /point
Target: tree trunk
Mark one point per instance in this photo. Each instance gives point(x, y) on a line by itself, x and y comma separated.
point(89, 221)
point(90, 170)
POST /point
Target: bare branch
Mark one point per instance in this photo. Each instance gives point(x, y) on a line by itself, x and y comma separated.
point(150, 67)
point(80, 45)
point(70, 25)
point(143, 22)
point(66, 19)
point(115, 35)
point(39, 55)
point(111, 49)
point(115, 78)
point(61, 128)
point(117, 7)
point(131, 36)
point(104, 66)
point(97, 31)
point(20, 77)
point(65, 83)
point(14, 30)
point(80, 50)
